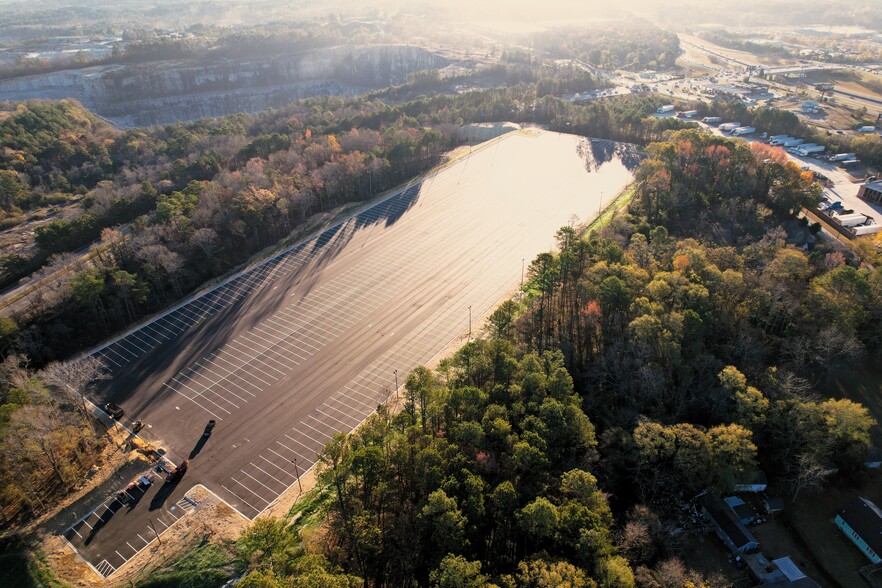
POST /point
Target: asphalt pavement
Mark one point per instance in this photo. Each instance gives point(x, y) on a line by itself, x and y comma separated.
point(309, 342)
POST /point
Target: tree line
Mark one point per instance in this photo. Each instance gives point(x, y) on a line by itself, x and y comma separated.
point(672, 353)
point(175, 206)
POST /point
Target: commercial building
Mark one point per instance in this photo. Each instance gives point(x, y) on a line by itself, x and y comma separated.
point(871, 191)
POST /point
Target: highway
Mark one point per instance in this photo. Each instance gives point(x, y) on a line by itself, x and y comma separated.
point(309, 342)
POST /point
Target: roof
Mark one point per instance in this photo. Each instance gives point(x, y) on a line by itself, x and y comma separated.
point(725, 519)
point(786, 565)
point(877, 185)
point(774, 503)
point(753, 478)
point(865, 519)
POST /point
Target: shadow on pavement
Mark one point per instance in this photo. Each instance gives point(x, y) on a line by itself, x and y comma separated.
point(198, 447)
point(162, 495)
point(103, 519)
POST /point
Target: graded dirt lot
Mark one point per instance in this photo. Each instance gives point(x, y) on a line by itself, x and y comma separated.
point(308, 343)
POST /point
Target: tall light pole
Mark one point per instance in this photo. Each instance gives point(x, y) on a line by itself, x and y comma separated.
point(523, 260)
point(149, 520)
point(470, 323)
point(396, 384)
point(297, 473)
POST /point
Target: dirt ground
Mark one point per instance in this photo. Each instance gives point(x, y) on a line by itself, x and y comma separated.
point(811, 523)
point(850, 80)
point(707, 555)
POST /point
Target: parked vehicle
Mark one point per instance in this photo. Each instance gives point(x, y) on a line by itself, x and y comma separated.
point(842, 156)
point(665, 108)
point(209, 428)
point(114, 410)
point(729, 126)
point(743, 131)
point(834, 207)
point(178, 473)
point(711, 120)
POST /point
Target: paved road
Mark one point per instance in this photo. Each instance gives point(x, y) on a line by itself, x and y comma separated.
point(308, 343)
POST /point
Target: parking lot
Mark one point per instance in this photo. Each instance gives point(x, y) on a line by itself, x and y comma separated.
point(309, 342)
point(128, 522)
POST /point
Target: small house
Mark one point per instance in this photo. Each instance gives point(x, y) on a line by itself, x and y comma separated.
point(728, 528)
point(743, 511)
point(788, 575)
point(773, 505)
point(861, 522)
point(810, 106)
point(754, 481)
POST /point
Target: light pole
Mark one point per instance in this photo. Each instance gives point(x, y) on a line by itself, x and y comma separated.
point(470, 323)
point(154, 530)
point(523, 260)
point(297, 473)
point(396, 384)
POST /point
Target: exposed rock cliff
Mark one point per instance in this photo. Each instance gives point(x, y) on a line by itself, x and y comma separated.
point(166, 92)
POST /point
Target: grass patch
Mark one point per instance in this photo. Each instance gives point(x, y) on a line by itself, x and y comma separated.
point(811, 517)
point(309, 510)
point(610, 211)
point(20, 569)
point(207, 565)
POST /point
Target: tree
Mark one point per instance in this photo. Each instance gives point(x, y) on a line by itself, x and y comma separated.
point(616, 573)
point(538, 520)
point(266, 545)
point(455, 571)
point(74, 377)
point(848, 425)
point(538, 573)
point(443, 526)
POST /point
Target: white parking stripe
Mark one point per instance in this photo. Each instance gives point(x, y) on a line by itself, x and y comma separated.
point(211, 367)
point(108, 358)
point(250, 490)
point(256, 510)
point(297, 453)
point(193, 401)
point(304, 445)
point(266, 473)
point(275, 492)
point(278, 467)
point(330, 416)
point(240, 367)
point(202, 395)
point(212, 384)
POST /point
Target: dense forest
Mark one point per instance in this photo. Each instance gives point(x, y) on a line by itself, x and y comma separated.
point(669, 354)
point(672, 352)
point(628, 44)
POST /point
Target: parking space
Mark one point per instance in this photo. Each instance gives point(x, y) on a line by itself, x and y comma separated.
point(309, 342)
point(128, 522)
